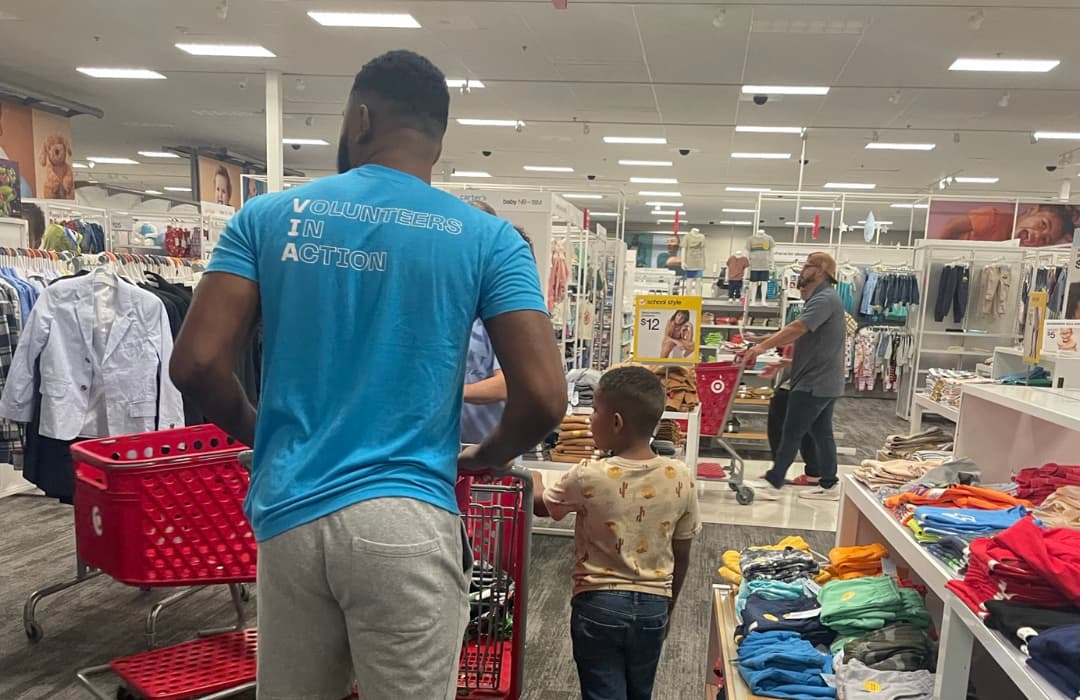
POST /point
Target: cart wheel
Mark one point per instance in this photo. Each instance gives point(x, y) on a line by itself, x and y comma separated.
point(245, 593)
point(33, 631)
point(123, 693)
point(744, 496)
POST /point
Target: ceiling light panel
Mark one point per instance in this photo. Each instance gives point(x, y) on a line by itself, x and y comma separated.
point(155, 192)
point(305, 142)
point(647, 163)
point(490, 122)
point(469, 173)
point(122, 73)
point(821, 208)
point(655, 193)
point(885, 146)
point(372, 20)
point(739, 211)
point(769, 129)
point(784, 90)
point(849, 186)
point(1057, 135)
point(227, 50)
point(639, 140)
point(976, 180)
point(109, 160)
point(909, 206)
point(654, 180)
point(747, 189)
point(763, 156)
point(879, 223)
point(548, 169)
point(604, 214)
point(664, 204)
point(158, 154)
point(1005, 65)
point(727, 222)
point(464, 82)
point(80, 166)
point(177, 189)
point(583, 196)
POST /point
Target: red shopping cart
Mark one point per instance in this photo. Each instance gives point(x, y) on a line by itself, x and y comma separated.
point(717, 384)
point(162, 509)
point(497, 512)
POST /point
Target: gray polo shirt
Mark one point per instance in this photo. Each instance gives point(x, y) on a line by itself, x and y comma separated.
point(817, 365)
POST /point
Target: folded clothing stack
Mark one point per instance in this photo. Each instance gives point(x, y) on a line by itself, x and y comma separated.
point(894, 472)
point(1053, 654)
point(1036, 483)
point(935, 520)
point(770, 590)
point(1025, 564)
point(1060, 509)
point(669, 430)
point(962, 496)
point(897, 647)
point(1019, 622)
point(715, 338)
point(861, 605)
point(800, 615)
point(857, 561)
point(575, 440)
point(788, 564)
point(680, 384)
point(782, 665)
point(902, 446)
point(731, 570)
point(856, 680)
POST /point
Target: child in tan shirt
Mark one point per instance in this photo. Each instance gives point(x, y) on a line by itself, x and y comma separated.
point(636, 516)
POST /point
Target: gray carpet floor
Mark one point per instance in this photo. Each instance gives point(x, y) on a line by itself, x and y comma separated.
point(102, 619)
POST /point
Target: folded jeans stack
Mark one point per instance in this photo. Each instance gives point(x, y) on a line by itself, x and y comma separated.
point(783, 665)
point(575, 440)
point(861, 605)
point(897, 647)
point(1036, 483)
point(856, 681)
point(1025, 564)
point(1019, 622)
point(1053, 654)
point(1060, 509)
point(857, 561)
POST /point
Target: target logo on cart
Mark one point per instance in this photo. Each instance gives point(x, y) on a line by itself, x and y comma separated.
point(95, 520)
point(718, 386)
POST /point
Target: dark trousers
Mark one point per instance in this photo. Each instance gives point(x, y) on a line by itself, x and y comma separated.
point(808, 448)
point(734, 289)
point(952, 291)
point(811, 414)
point(617, 638)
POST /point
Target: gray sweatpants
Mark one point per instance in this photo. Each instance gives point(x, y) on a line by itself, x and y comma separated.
point(376, 592)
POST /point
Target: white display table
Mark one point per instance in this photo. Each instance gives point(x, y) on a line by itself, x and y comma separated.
point(1064, 368)
point(1006, 428)
point(922, 403)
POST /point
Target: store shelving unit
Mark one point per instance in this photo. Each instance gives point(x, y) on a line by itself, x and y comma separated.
point(1002, 428)
point(922, 404)
point(1064, 369)
point(957, 345)
point(62, 209)
point(14, 233)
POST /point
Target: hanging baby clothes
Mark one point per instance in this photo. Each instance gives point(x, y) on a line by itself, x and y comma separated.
point(952, 292)
point(992, 291)
point(559, 277)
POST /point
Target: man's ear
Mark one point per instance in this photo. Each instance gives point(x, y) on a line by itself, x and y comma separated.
point(362, 124)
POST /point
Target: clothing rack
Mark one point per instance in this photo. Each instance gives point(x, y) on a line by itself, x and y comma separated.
point(65, 212)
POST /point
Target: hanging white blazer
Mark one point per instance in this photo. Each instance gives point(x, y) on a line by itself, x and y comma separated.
point(133, 370)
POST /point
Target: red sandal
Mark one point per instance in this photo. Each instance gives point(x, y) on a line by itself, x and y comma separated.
point(804, 480)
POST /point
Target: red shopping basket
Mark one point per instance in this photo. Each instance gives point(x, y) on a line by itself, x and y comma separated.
point(164, 508)
point(717, 383)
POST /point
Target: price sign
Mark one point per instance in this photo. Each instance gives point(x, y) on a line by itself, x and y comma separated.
point(1033, 326)
point(1061, 337)
point(667, 329)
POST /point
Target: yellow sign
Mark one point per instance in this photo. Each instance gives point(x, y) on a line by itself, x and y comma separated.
point(1033, 326)
point(667, 329)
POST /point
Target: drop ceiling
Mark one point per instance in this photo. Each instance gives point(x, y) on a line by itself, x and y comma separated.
point(600, 68)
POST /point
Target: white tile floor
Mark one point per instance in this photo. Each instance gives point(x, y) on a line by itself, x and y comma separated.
point(718, 503)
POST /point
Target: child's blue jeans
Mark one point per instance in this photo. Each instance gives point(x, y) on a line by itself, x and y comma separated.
point(617, 639)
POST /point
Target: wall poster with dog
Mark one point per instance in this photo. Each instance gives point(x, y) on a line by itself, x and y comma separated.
point(41, 144)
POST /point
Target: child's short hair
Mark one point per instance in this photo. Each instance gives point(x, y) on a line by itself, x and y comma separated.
point(637, 394)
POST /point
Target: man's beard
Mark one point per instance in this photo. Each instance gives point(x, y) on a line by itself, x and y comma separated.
point(804, 282)
point(343, 165)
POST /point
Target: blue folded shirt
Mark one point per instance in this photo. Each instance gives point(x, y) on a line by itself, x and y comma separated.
point(935, 519)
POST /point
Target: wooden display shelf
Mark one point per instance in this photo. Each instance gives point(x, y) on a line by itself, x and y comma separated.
point(753, 402)
point(746, 435)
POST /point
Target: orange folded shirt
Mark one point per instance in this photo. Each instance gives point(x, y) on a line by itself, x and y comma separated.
point(857, 561)
point(960, 497)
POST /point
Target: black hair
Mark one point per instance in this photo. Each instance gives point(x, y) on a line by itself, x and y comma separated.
point(411, 87)
point(637, 394)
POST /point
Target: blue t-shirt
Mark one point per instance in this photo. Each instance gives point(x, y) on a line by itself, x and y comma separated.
point(479, 420)
point(370, 282)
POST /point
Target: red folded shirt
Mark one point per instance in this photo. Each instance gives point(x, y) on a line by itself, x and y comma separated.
point(1036, 483)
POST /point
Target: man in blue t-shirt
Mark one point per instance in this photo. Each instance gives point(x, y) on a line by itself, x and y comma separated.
point(368, 284)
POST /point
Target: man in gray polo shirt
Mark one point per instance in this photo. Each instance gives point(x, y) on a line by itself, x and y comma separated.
point(817, 377)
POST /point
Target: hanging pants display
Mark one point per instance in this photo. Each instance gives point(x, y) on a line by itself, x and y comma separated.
point(952, 292)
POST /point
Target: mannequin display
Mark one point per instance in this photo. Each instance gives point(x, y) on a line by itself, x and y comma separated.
point(694, 250)
point(761, 247)
point(736, 269)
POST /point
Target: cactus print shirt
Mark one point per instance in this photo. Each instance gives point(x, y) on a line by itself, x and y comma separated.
point(628, 512)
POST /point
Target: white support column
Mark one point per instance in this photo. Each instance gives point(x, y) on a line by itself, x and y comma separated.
point(275, 158)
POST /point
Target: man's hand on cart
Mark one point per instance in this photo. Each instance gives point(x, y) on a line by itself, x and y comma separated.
point(772, 370)
point(751, 355)
point(472, 461)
